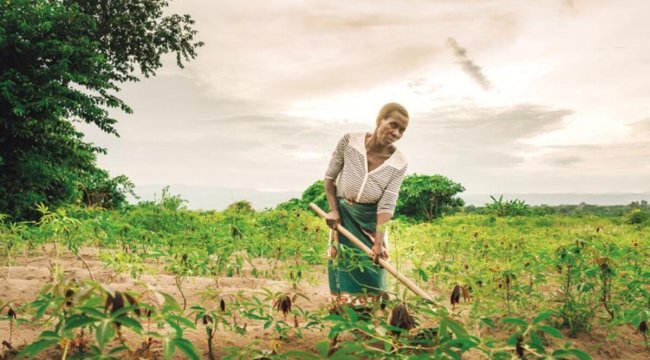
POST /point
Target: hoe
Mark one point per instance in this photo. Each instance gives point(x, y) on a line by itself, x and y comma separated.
point(385, 264)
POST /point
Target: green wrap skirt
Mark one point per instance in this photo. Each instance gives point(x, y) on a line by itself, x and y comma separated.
point(353, 277)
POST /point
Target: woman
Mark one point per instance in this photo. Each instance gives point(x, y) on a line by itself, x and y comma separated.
point(361, 185)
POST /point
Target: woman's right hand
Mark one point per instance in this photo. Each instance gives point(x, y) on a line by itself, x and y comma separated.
point(333, 218)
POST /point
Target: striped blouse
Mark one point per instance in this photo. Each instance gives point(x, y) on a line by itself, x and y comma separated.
point(349, 162)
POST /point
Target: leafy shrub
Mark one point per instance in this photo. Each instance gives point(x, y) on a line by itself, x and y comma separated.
point(638, 216)
point(514, 207)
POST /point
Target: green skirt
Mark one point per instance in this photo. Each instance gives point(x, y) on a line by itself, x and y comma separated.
point(352, 274)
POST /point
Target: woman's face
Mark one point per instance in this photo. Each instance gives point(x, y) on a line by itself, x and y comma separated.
point(391, 128)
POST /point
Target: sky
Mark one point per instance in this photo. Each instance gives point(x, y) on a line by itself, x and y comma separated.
point(504, 96)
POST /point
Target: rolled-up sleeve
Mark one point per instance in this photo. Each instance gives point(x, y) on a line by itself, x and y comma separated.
point(388, 200)
point(336, 163)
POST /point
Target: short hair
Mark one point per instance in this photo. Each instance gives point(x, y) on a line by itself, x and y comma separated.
point(388, 109)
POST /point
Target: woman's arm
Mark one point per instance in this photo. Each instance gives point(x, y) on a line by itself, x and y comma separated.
point(336, 165)
point(378, 249)
point(385, 209)
point(333, 217)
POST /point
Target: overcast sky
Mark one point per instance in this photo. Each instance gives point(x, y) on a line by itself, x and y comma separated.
point(504, 96)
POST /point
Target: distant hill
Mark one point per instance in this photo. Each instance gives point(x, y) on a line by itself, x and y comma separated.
point(560, 198)
point(219, 198)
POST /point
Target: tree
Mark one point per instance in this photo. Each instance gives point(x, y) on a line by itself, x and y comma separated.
point(316, 193)
point(62, 61)
point(99, 189)
point(425, 197)
point(241, 206)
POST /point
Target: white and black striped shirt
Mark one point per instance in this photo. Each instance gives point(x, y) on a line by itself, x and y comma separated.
point(349, 162)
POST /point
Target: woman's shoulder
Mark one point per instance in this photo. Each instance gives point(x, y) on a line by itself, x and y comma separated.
point(398, 160)
point(355, 140)
point(357, 136)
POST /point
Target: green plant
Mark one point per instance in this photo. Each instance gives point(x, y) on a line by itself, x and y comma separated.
point(210, 320)
point(502, 208)
point(638, 216)
point(527, 340)
point(424, 197)
point(577, 308)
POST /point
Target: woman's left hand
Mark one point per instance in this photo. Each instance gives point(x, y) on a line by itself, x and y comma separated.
point(378, 250)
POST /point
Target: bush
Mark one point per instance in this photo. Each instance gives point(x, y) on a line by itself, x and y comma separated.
point(512, 207)
point(638, 216)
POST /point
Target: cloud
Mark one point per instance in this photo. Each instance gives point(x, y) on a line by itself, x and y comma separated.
point(256, 151)
point(470, 68)
point(562, 160)
point(641, 127)
point(570, 4)
point(287, 50)
point(222, 120)
point(474, 144)
point(616, 158)
point(490, 125)
point(422, 86)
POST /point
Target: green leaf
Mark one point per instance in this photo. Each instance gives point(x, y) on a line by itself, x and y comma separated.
point(323, 348)
point(121, 312)
point(465, 343)
point(177, 328)
point(581, 355)
point(351, 314)
point(455, 327)
point(536, 342)
point(49, 334)
point(487, 321)
point(513, 338)
point(181, 319)
point(253, 316)
point(516, 321)
point(104, 333)
point(423, 275)
point(36, 347)
point(131, 323)
point(543, 316)
point(186, 347)
point(170, 303)
point(551, 331)
point(92, 312)
point(78, 321)
point(168, 348)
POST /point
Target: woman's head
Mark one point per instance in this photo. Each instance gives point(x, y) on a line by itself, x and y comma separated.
point(392, 121)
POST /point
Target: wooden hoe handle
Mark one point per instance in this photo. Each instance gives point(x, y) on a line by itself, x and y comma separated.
point(385, 264)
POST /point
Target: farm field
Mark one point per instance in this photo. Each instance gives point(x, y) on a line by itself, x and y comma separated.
point(157, 281)
point(412, 114)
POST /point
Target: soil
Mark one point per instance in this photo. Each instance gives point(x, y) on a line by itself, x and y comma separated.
point(21, 282)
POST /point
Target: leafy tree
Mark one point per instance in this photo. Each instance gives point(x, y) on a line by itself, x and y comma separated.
point(425, 197)
point(316, 193)
point(99, 189)
point(243, 206)
point(291, 204)
point(63, 62)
